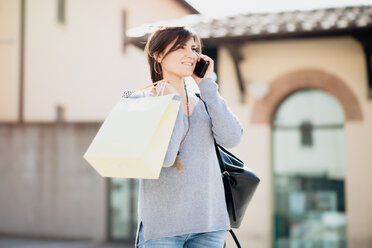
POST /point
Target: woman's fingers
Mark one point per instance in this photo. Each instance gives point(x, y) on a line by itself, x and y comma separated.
point(161, 88)
point(206, 58)
point(209, 72)
point(164, 88)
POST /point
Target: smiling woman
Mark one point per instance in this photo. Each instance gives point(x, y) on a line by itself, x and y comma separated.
point(172, 54)
point(179, 61)
point(186, 207)
point(163, 42)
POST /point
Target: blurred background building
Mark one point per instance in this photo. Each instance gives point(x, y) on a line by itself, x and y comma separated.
point(299, 81)
point(63, 66)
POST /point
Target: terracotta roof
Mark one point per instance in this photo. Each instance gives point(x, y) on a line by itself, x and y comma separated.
point(187, 6)
point(260, 25)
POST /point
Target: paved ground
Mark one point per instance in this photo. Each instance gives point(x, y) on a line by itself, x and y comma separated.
point(32, 243)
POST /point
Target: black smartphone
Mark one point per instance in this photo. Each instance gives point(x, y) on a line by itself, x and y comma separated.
point(201, 67)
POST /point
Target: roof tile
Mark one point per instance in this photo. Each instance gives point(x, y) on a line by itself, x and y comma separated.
point(257, 24)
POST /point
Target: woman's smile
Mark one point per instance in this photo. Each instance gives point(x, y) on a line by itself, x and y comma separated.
point(188, 63)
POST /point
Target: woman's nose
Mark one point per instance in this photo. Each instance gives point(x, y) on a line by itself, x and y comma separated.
point(192, 54)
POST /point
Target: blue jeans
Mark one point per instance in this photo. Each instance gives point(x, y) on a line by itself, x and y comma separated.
point(194, 240)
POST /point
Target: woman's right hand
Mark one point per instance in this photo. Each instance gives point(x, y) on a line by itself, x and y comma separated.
point(169, 89)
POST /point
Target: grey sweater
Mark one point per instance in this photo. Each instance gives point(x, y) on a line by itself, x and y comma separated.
point(192, 201)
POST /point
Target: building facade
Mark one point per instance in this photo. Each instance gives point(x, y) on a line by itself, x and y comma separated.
point(63, 66)
point(301, 83)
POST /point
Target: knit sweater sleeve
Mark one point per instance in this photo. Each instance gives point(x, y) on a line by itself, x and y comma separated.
point(178, 132)
point(226, 127)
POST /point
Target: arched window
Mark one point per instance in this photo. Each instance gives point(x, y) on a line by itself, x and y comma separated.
point(308, 171)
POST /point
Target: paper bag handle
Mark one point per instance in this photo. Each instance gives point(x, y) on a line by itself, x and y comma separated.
point(157, 82)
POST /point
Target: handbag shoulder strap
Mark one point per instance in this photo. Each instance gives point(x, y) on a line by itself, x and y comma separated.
point(235, 238)
point(222, 165)
point(223, 169)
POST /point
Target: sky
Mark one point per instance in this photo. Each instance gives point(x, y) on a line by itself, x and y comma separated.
point(218, 8)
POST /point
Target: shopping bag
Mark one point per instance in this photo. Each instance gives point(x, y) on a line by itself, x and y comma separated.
point(134, 137)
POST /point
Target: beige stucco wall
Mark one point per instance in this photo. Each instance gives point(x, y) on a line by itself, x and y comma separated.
point(266, 61)
point(145, 11)
point(47, 189)
point(9, 59)
point(81, 65)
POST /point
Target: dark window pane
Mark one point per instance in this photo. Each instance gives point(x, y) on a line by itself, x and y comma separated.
point(306, 129)
point(61, 11)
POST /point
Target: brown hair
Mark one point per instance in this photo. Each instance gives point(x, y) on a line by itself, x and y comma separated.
point(160, 39)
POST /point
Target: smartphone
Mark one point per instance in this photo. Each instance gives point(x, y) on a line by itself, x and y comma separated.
point(201, 67)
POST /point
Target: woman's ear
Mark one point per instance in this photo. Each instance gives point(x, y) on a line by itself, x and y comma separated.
point(158, 57)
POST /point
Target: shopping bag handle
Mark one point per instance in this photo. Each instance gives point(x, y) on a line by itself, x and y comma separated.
point(157, 82)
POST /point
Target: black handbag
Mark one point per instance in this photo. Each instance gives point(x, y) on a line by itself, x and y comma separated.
point(240, 183)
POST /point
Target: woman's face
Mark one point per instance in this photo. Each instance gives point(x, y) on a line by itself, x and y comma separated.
point(181, 62)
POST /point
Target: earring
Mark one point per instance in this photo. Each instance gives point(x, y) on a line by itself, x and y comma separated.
point(155, 68)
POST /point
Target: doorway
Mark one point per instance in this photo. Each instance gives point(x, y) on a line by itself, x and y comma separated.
point(123, 195)
point(309, 171)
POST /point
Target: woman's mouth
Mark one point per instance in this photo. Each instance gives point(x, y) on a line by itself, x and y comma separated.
point(187, 63)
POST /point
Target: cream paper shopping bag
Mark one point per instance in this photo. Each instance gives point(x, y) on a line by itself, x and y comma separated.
point(133, 139)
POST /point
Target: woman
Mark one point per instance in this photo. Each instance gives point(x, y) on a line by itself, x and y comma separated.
point(186, 206)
